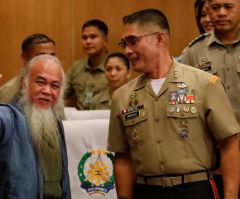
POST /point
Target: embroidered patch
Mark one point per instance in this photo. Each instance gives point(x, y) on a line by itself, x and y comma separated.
point(95, 172)
point(213, 79)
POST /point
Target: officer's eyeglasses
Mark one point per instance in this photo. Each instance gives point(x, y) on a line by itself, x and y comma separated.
point(131, 41)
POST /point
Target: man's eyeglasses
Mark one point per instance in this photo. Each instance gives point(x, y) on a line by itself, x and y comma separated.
point(132, 40)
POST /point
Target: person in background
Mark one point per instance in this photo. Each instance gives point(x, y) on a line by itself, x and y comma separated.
point(165, 124)
point(219, 51)
point(202, 18)
point(203, 21)
point(33, 156)
point(117, 72)
point(33, 45)
point(86, 76)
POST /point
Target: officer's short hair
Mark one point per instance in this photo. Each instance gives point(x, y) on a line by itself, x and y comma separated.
point(98, 24)
point(37, 38)
point(147, 16)
point(121, 56)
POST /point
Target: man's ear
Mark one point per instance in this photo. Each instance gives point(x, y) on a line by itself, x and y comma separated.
point(161, 37)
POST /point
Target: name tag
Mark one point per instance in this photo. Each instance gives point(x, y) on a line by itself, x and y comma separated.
point(132, 115)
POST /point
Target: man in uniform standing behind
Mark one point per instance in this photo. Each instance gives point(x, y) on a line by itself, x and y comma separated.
point(86, 76)
point(219, 52)
point(33, 45)
point(163, 123)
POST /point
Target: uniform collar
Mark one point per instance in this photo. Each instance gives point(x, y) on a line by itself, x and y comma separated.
point(213, 39)
point(175, 75)
point(100, 67)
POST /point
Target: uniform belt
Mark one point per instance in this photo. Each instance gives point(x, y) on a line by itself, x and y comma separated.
point(170, 181)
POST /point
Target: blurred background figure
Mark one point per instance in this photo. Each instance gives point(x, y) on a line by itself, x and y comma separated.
point(32, 45)
point(85, 78)
point(202, 18)
point(117, 73)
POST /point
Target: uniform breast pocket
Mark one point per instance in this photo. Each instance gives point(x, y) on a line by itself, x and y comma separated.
point(183, 122)
point(135, 126)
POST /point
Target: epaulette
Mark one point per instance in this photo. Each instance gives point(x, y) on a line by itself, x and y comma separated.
point(213, 79)
point(199, 38)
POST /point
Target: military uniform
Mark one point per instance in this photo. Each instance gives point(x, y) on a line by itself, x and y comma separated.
point(172, 133)
point(102, 101)
point(10, 90)
point(84, 83)
point(209, 54)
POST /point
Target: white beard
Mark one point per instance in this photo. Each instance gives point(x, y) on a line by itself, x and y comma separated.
point(42, 123)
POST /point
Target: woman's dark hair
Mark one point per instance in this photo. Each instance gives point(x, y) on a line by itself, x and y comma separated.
point(121, 56)
point(198, 6)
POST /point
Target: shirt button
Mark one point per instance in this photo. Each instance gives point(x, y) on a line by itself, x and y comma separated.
point(159, 141)
point(228, 69)
point(156, 120)
point(228, 87)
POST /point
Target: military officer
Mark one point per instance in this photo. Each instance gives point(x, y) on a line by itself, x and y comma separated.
point(219, 52)
point(163, 123)
point(86, 76)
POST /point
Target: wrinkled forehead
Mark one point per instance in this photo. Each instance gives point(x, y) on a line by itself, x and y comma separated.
point(49, 69)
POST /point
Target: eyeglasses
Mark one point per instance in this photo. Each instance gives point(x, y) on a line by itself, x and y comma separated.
point(132, 40)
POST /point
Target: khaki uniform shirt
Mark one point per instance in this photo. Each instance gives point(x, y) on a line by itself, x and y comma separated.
point(10, 90)
point(211, 55)
point(102, 101)
point(84, 83)
point(172, 132)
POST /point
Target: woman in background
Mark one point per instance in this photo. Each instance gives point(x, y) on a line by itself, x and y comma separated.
point(202, 18)
point(117, 73)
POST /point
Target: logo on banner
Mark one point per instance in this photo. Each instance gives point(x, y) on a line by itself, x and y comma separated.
point(95, 172)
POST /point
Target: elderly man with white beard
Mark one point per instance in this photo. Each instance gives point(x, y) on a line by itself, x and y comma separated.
point(33, 156)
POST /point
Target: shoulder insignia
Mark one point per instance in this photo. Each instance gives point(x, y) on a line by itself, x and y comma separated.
point(197, 39)
point(213, 79)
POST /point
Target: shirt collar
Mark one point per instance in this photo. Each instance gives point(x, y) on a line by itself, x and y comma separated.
point(100, 67)
point(213, 39)
point(175, 75)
